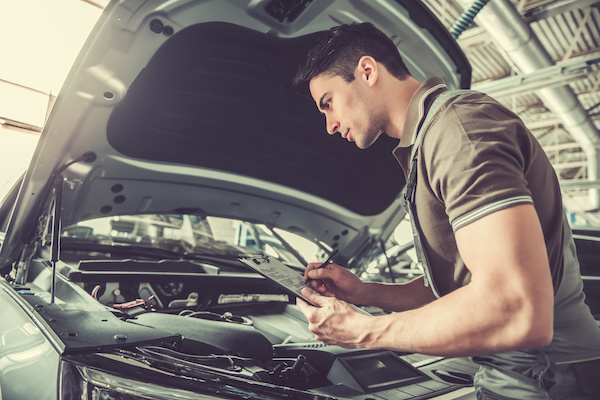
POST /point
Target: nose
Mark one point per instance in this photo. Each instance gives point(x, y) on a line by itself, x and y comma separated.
point(333, 125)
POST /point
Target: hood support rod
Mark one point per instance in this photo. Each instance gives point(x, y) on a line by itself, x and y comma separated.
point(55, 181)
point(55, 244)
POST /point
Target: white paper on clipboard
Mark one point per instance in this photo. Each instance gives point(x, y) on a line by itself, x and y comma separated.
point(288, 278)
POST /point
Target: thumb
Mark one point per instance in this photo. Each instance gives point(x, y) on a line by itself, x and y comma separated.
point(314, 297)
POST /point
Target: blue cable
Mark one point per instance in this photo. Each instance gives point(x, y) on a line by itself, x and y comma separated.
point(466, 18)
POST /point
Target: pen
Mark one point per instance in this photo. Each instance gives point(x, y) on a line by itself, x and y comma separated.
point(329, 258)
point(325, 262)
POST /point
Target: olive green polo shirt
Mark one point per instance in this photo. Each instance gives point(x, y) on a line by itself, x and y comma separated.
point(476, 157)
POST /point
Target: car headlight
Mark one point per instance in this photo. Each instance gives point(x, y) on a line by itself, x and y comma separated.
point(79, 382)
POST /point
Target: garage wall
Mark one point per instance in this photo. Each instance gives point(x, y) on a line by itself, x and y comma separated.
point(39, 40)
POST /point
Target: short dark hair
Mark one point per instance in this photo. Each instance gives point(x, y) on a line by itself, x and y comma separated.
point(338, 51)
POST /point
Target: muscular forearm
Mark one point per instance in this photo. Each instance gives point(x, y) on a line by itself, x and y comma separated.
point(466, 322)
point(396, 297)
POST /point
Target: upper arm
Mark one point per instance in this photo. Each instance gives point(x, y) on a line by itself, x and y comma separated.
point(506, 254)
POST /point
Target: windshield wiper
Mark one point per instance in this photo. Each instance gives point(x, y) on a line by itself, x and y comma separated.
point(150, 253)
point(154, 253)
point(122, 249)
point(290, 248)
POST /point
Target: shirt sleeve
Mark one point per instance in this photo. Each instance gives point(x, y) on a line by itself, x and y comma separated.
point(477, 160)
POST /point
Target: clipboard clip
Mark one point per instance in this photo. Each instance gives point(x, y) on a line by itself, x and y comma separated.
point(257, 259)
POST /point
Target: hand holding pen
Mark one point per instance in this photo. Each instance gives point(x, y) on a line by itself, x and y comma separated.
point(335, 281)
point(324, 263)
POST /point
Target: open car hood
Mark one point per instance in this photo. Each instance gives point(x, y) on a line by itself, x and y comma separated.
point(186, 106)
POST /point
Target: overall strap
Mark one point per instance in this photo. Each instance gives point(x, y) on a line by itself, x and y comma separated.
point(435, 106)
point(411, 181)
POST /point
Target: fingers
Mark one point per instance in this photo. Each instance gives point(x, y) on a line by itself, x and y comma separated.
point(320, 279)
point(317, 286)
point(306, 308)
point(329, 320)
point(302, 305)
point(314, 271)
point(322, 286)
point(310, 267)
point(313, 297)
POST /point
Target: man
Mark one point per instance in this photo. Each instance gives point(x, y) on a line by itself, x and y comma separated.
point(503, 283)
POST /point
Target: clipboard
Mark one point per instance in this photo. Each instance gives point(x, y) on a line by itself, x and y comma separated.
point(288, 278)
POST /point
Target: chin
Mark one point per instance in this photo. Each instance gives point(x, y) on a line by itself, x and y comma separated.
point(360, 145)
point(364, 144)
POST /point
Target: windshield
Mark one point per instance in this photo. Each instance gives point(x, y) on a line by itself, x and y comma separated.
point(196, 234)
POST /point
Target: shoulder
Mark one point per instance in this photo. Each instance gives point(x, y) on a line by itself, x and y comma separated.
point(475, 153)
point(475, 120)
point(475, 106)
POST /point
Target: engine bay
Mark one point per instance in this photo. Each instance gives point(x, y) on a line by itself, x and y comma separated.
point(228, 325)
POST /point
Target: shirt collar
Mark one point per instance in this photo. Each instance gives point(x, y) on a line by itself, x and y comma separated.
point(421, 99)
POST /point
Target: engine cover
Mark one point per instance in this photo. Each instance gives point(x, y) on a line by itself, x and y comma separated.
point(205, 336)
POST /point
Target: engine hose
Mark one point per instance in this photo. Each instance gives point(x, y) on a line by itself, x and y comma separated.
point(466, 18)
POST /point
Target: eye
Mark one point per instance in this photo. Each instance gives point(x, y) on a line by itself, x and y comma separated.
point(325, 104)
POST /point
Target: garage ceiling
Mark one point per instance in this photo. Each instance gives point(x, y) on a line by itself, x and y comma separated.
point(541, 59)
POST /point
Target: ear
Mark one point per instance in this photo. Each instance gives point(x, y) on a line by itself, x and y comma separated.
point(367, 70)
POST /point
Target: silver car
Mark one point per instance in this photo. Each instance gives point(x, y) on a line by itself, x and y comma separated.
point(177, 146)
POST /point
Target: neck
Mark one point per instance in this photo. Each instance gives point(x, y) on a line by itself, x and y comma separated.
point(399, 93)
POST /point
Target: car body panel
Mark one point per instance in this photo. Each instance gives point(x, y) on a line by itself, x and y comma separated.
point(26, 351)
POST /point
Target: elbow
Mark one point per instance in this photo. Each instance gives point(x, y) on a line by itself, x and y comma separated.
point(543, 334)
point(539, 337)
point(530, 324)
point(536, 330)
point(532, 318)
point(541, 321)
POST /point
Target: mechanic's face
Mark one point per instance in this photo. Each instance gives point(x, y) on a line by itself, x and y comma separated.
point(347, 109)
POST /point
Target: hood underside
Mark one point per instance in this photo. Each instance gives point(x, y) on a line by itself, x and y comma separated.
point(188, 107)
point(219, 96)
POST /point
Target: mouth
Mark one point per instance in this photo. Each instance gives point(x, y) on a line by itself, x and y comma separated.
point(346, 135)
